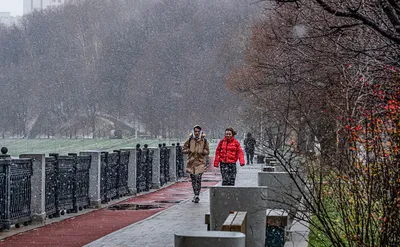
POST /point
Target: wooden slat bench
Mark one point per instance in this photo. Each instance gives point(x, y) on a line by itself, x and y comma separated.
point(235, 222)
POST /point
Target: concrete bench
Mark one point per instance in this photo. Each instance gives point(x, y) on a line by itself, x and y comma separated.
point(268, 169)
point(210, 239)
point(252, 200)
point(282, 190)
point(276, 217)
point(270, 161)
point(235, 222)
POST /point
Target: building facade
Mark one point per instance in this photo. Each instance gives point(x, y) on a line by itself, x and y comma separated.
point(31, 5)
point(7, 19)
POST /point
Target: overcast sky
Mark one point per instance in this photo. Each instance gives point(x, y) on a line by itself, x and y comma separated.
point(13, 6)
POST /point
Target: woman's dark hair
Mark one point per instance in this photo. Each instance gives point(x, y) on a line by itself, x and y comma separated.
point(231, 130)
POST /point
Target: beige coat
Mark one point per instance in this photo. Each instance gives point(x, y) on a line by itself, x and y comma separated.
point(196, 162)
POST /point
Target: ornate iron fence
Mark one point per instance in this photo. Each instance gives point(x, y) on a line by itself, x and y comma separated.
point(103, 177)
point(122, 182)
point(67, 182)
point(140, 170)
point(179, 161)
point(82, 166)
point(112, 175)
point(163, 177)
point(15, 192)
point(50, 186)
point(147, 159)
point(68, 178)
point(65, 195)
point(166, 162)
point(3, 193)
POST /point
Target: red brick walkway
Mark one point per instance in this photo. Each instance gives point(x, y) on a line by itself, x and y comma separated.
point(86, 228)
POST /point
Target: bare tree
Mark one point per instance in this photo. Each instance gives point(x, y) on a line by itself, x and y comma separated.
point(312, 86)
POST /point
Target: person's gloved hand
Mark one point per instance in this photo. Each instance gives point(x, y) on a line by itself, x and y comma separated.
point(241, 164)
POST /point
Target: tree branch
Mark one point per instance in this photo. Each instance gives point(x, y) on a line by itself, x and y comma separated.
point(395, 6)
point(355, 15)
point(391, 16)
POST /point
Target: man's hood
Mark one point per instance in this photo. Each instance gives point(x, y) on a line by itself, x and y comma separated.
point(202, 135)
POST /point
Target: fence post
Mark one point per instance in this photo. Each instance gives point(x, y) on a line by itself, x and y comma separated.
point(38, 192)
point(172, 163)
point(131, 170)
point(156, 168)
point(94, 178)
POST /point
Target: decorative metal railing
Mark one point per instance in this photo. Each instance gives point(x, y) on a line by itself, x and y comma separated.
point(82, 182)
point(51, 203)
point(122, 178)
point(15, 192)
point(179, 161)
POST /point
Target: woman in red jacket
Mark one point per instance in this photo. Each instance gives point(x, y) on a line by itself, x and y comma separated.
point(227, 153)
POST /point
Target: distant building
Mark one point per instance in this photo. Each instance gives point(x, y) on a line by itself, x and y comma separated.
point(7, 19)
point(31, 5)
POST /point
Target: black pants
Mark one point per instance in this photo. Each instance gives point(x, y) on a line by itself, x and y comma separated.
point(228, 172)
point(196, 183)
point(250, 156)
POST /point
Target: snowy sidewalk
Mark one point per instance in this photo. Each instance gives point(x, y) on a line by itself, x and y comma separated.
point(85, 228)
point(159, 230)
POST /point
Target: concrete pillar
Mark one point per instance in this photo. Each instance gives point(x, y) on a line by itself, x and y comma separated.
point(172, 163)
point(282, 190)
point(131, 170)
point(252, 200)
point(210, 239)
point(156, 168)
point(94, 178)
point(38, 191)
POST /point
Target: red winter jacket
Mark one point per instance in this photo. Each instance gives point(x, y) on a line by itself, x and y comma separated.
point(228, 151)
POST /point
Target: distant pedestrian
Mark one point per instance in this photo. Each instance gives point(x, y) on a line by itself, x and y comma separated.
point(197, 149)
point(227, 153)
point(249, 147)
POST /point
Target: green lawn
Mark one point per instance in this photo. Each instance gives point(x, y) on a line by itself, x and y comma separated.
point(64, 146)
point(317, 238)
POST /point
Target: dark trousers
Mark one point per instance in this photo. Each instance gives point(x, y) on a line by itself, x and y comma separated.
point(228, 172)
point(196, 183)
point(250, 156)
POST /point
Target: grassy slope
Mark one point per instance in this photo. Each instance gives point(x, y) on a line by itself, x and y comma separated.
point(64, 146)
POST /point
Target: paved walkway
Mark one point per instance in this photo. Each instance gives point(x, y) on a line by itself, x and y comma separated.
point(145, 228)
point(158, 231)
point(85, 228)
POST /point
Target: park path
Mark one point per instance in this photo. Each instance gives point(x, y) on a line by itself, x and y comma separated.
point(85, 228)
point(159, 230)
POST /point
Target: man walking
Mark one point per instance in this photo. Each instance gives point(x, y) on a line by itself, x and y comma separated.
point(197, 149)
point(249, 146)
